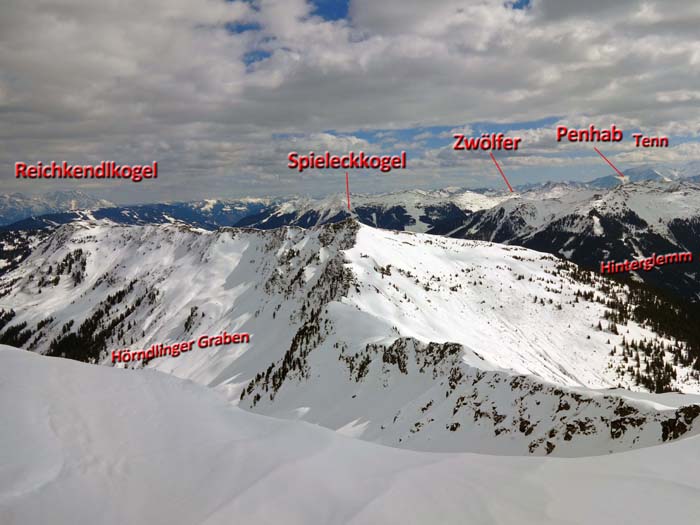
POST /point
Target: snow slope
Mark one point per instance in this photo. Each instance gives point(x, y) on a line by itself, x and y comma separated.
point(86, 444)
point(404, 339)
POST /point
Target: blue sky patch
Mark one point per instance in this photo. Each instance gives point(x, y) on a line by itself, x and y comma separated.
point(238, 27)
point(331, 9)
point(257, 55)
point(518, 4)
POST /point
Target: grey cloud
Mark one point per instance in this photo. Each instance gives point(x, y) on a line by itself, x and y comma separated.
point(83, 80)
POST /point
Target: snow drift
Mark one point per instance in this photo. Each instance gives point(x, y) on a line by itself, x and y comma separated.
point(87, 444)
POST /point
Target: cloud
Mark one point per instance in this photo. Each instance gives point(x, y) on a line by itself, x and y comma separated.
point(84, 80)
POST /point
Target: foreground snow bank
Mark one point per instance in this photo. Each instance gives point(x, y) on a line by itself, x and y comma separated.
point(88, 444)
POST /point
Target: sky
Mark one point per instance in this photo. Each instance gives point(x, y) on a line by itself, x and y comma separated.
point(219, 92)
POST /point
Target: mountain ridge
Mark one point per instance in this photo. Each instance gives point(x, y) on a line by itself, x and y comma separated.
point(583, 224)
point(340, 296)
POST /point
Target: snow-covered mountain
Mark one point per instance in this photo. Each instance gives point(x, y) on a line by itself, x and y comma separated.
point(689, 172)
point(438, 211)
point(17, 206)
point(589, 227)
point(642, 174)
point(87, 444)
point(410, 340)
point(15, 246)
point(209, 214)
point(585, 224)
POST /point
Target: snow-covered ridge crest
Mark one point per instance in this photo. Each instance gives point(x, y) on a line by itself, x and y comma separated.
point(316, 300)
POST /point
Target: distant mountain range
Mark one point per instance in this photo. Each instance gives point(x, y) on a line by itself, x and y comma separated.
point(64, 206)
point(18, 206)
point(689, 172)
point(207, 214)
point(655, 211)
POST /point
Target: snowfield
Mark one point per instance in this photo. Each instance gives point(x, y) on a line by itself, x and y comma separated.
point(401, 339)
point(88, 444)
